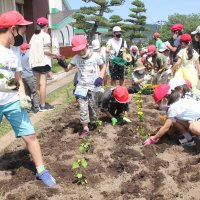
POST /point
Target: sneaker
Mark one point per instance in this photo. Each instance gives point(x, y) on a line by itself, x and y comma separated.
point(46, 107)
point(84, 133)
point(46, 178)
point(185, 142)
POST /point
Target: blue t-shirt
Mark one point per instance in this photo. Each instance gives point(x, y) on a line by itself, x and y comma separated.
point(26, 70)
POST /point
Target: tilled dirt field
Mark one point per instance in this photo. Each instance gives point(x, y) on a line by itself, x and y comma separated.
point(119, 166)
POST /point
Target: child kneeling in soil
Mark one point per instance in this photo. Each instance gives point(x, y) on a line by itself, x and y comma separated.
point(184, 114)
point(90, 79)
point(13, 100)
point(139, 78)
point(114, 103)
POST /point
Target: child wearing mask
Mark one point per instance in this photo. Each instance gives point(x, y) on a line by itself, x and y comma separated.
point(139, 78)
point(12, 98)
point(134, 53)
point(187, 65)
point(91, 70)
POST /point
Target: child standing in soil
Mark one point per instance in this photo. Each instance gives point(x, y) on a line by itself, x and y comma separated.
point(13, 100)
point(90, 79)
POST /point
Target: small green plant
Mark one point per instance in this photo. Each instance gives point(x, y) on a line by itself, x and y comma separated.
point(141, 130)
point(98, 122)
point(77, 166)
point(140, 115)
point(86, 146)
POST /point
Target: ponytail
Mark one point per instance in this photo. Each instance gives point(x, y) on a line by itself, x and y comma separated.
point(39, 28)
point(190, 51)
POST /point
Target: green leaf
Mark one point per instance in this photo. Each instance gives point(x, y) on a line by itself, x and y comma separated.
point(79, 175)
point(84, 163)
point(82, 148)
point(75, 165)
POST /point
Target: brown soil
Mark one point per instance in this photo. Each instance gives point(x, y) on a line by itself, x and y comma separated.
point(119, 166)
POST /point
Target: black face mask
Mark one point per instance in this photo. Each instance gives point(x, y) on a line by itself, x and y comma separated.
point(18, 40)
point(118, 35)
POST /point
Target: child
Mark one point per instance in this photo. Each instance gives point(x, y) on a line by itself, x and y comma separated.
point(134, 53)
point(29, 79)
point(90, 78)
point(10, 99)
point(182, 113)
point(156, 37)
point(139, 78)
point(114, 103)
point(187, 65)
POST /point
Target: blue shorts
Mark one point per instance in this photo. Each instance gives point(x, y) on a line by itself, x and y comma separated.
point(18, 118)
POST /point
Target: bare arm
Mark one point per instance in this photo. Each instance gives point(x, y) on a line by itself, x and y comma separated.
point(163, 130)
point(176, 65)
point(171, 48)
point(102, 71)
point(21, 84)
point(70, 67)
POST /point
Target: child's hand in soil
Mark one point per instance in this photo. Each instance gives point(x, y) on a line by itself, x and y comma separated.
point(150, 140)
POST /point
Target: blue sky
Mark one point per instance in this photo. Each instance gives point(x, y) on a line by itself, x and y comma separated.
point(157, 10)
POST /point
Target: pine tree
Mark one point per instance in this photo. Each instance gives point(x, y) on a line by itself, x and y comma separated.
point(91, 17)
point(136, 21)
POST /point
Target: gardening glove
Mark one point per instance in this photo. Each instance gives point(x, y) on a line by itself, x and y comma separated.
point(98, 82)
point(114, 121)
point(62, 62)
point(126, 119)
point(149, 141)
point(25, 102)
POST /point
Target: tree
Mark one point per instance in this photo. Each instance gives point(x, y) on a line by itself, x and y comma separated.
point(136, 21)
point(114, 20)
point(89, 18)
point(190, 23)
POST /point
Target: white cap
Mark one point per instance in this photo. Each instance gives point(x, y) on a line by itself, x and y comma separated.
point(175, 82)
point(95, 44)
point(117, 29)
point(163, 47)
point(196, 31)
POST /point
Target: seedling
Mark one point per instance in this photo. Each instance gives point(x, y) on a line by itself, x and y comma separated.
point(142, 132)
point(86, 146)
point(99, 122)
point(77, 166)
point(140, 115)
point(139, 103)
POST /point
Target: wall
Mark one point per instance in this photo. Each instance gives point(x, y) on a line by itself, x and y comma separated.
point(6, 5)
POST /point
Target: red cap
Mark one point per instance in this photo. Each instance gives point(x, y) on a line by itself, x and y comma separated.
point(151, 49)
point(156, 35)
point(177, 27)
point(134, 49)
point(188, 83)
point(24, 47)
point(12, 18)
point(121, 95)
point(79, 43)
point(43, 20)
point(160, 92)
point(186, 38)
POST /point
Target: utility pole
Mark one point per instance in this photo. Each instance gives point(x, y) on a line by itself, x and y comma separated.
point(160, 23)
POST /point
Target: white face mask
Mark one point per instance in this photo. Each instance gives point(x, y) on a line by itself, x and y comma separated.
point(175, 36)
point(86, 54)
point(141, 71)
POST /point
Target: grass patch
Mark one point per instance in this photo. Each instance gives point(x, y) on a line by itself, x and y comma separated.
point(64, 94)
point(56, 68)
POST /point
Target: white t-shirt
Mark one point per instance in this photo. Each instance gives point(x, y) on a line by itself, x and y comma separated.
point(8, 67)
point(38, 45)
point(88, 69)
point(115, 45)
point(185, 109)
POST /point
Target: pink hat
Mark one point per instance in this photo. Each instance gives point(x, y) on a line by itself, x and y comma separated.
point(24, 47)
point(160, 92)
point(151, 49)
point(121, 95)
point(156, 35)
point(186, 38)
point(12, 18)
point(177, 27)
point(43, 20)
point(188, 83)
point(79, 43)
point(134, 49)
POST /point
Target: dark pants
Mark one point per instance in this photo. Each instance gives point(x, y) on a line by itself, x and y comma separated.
point(133, 88)
point(30, 86)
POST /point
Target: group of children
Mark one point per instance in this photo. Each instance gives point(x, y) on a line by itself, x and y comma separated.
point(174, 96)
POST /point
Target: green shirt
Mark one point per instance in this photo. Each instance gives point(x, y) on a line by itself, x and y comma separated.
point(158, 43)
